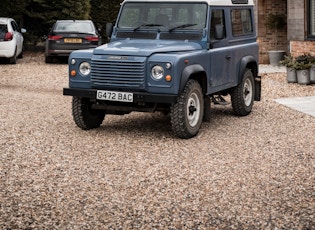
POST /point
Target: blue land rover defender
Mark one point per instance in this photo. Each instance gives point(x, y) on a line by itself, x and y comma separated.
point(172, 56)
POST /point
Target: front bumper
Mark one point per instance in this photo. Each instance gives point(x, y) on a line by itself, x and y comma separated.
point(138, 97)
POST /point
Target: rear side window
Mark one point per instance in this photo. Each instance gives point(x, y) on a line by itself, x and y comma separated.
point(3, 31)
point(241, 22)
point(84, 27)
point(15, 26)
point(217, 19)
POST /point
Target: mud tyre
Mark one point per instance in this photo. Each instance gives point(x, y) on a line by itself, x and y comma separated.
point(242, 96)
point(84, 116)
point(187, 113)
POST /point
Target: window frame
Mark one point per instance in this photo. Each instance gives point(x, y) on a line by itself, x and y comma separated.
point(310, 24)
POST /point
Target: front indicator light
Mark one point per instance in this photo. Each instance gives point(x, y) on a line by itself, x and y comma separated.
point(73, 73)
point(168, 78)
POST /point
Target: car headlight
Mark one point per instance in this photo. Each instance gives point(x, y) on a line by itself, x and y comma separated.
point(85, 68)
point(157, 72)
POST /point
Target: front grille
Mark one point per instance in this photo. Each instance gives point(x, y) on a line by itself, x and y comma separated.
point(113, 74)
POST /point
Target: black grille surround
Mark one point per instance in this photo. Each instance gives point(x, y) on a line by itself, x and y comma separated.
point(118, 74)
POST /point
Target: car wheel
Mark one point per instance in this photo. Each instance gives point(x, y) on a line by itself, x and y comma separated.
point(13, 59)
point(242, 96)
point(84, 116)
point(187, 112)
point(48, 59)
point(21, 54)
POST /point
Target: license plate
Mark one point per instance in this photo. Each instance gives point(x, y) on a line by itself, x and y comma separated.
point(73, 40)
point(114, 96)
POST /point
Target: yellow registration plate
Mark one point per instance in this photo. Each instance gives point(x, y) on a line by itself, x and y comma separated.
point(73, 40)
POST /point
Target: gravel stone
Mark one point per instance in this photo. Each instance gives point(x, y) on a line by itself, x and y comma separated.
point(253, 172)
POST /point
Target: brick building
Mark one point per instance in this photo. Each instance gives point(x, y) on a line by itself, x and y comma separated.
point(298, 37)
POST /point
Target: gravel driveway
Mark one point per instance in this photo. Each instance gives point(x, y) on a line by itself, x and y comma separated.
point(254, 172)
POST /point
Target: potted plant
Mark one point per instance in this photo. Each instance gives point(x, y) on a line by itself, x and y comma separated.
point(302, 66)
point(312, 71)
point(289, 62)
point(276, 22)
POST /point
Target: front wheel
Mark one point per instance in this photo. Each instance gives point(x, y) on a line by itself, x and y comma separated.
point(84, 116)
point(242, 96)
point(187, 112)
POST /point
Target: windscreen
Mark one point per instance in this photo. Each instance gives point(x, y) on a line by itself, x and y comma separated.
point(179, 15)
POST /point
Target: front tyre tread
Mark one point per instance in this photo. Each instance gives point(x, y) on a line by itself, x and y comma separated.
point(186, 120)
point(84, 116)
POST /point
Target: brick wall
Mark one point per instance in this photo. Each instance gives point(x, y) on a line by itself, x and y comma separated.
point(297, 29)
point(302, 47)
point(267, 38)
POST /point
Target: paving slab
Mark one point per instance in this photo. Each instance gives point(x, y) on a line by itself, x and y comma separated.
point(302, 104)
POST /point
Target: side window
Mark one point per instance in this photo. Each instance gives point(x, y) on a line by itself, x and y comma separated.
point(15, 26)
point(217, 29)
point(129, 17)
point(241, 22)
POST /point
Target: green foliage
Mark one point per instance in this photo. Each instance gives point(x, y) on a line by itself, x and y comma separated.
point(103, 12)
point(276, 21)
point(304, 61)
point(288, 61)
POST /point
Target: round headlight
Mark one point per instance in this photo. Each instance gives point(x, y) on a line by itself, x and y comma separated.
point(85, 68)
point(157, 72)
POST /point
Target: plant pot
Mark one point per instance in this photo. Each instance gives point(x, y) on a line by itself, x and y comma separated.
point(312, 74)
point(303, 76)
point(291, 75)
point(275, 56)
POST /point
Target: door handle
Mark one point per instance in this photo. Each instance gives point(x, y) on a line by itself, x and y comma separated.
point(227, 57)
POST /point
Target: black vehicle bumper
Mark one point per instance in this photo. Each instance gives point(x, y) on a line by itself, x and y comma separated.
point(138, 97)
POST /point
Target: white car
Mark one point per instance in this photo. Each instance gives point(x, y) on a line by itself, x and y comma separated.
point(11, 40)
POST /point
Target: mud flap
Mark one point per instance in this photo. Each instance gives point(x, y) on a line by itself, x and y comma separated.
point(257, 88)
point(207, 105)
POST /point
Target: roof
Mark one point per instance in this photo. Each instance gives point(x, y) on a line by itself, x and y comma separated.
point(5, 20)
point(209, 2)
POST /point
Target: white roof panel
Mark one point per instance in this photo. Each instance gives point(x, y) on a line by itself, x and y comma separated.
point(209, 2)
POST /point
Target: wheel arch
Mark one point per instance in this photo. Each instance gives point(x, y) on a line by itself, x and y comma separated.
point(196, 72)
point(248, 62)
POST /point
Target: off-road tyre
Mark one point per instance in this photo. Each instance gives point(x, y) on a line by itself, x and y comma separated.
point(187, 113)
point(242, 96)
point(84, 116)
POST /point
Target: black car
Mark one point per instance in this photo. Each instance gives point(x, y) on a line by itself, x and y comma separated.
point(69, 35)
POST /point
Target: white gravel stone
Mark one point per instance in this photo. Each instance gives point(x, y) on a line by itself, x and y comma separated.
point(253, 172)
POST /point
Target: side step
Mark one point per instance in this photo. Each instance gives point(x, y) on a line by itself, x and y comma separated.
point(219, 100)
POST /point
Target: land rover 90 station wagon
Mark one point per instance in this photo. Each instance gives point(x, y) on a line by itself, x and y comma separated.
point(174, 56)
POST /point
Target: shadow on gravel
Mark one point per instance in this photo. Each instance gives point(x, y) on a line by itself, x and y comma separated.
point(154, 124)
point(143, 124)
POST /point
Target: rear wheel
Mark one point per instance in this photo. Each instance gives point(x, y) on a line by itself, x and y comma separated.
point(48, 59)
point(242, 96)
point(187, 112)
point(84, 116)
point(13, 59)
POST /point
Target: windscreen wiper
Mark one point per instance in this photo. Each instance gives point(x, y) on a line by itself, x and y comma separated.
point(146, 25)
point(181, 26)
